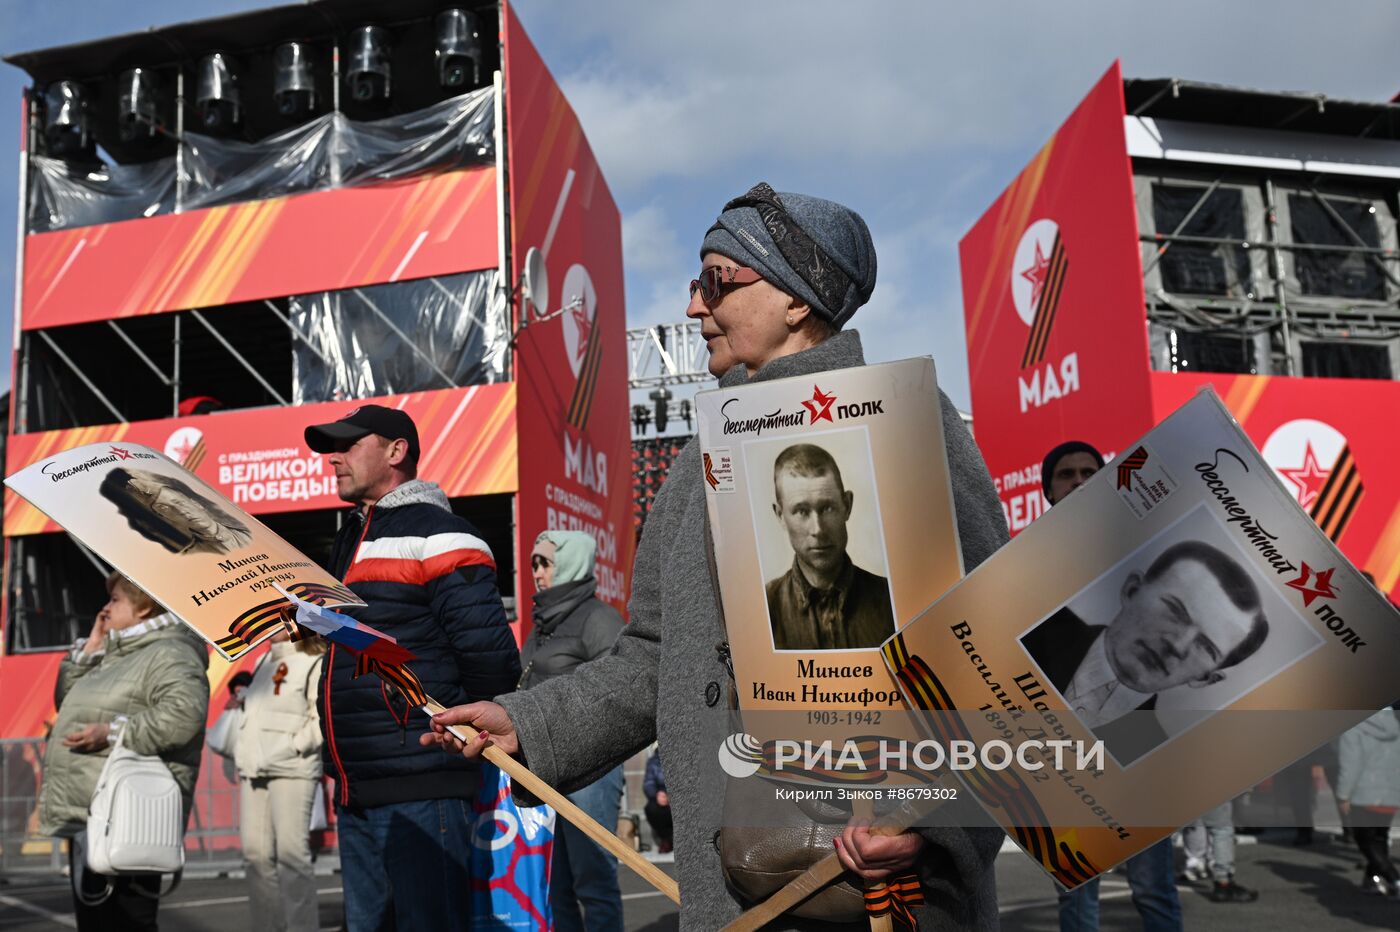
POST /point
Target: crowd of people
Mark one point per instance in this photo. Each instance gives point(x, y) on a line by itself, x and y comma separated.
point(781, 277)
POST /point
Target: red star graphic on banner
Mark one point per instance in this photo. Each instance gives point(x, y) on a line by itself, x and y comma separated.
point(585, 327)
point(182, 452)
point(1309, 478)
point(1036, 274)
point(819, 407)
point(119, 453)
point(1321, 587)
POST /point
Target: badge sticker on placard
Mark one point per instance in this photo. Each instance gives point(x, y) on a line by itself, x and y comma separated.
point(1142, 480)
point(719, 469)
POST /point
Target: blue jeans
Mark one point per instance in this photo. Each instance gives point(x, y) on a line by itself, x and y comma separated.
point(1217, 825)
point(1152, 877)
point(404, 866)
point(583, 875)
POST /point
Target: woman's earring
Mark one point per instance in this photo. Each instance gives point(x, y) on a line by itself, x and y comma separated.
point(789, 320)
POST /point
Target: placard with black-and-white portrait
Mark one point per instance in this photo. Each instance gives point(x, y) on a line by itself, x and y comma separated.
point(1185, 625)
point(200, 556)
point(1180, 621)
point(832, 519)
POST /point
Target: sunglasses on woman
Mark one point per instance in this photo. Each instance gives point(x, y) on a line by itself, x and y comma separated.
point(714, 280)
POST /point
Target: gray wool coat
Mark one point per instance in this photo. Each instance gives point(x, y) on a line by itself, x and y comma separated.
point(663, 676)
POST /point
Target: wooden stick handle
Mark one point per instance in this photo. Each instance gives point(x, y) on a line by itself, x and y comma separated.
point(561, 804)
point(865, 809)
point(806, 884)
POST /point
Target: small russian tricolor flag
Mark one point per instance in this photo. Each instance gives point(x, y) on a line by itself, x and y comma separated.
point(347, 632)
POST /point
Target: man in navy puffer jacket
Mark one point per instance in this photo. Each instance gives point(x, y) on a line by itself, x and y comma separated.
point(430, 582)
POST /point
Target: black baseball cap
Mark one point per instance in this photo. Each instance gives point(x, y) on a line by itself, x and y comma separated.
point(389, 423)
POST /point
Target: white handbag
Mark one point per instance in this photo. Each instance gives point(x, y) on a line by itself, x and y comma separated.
point(222, 738)
point(318, 809)
point(136, 817)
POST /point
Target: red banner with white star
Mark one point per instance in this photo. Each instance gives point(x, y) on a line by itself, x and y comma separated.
point(571, 357)
point(258, 457)
point(1052, 297)
point(1057, 350)
point(1325, 444)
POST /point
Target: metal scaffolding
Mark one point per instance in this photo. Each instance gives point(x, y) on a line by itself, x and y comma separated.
point(1286, 317)
point(666, 355)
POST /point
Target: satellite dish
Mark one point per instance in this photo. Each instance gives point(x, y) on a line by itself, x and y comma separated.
point(534, 282)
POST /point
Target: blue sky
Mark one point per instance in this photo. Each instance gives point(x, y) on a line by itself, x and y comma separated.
point(916, 114)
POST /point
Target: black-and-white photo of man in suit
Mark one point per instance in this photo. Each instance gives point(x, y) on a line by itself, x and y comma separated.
point(1184, 622)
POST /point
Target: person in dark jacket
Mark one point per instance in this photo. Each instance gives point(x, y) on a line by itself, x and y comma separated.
point(658, 808)
point(428, 581)
point(572, 625)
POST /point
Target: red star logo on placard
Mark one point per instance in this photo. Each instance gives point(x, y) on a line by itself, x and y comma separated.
point(119, 453)
point(585, 326)
point(1309, 478)
point(182, 452)
point(819, 408)
point(1321, 587)
point(1036, 274)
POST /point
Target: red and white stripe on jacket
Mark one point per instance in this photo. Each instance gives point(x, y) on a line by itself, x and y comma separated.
point(417, 560)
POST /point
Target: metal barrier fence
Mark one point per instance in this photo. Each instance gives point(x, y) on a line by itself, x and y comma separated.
point(212, 835)
point(21, 847)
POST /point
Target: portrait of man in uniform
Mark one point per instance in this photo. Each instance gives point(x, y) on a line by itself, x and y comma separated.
point(166, 510)
point(824, 601)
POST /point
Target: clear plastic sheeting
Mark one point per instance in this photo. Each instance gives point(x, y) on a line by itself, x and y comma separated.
point(326, 152)
point(63, 194)
point(222, 171)
point(411, 336)
point(457, 133)
point(332, 151)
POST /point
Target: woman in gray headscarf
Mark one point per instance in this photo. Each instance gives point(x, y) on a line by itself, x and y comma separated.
point(780, 275)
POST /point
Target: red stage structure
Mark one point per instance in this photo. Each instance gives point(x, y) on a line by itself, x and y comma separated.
point(306, 245)
point(1173, 235)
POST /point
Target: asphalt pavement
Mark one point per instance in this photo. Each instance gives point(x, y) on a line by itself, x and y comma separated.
point(1311, 889)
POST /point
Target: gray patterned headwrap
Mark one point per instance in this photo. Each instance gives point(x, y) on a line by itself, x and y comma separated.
point(813, 249)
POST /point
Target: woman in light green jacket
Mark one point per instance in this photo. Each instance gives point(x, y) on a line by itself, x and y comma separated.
point(140, 674)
